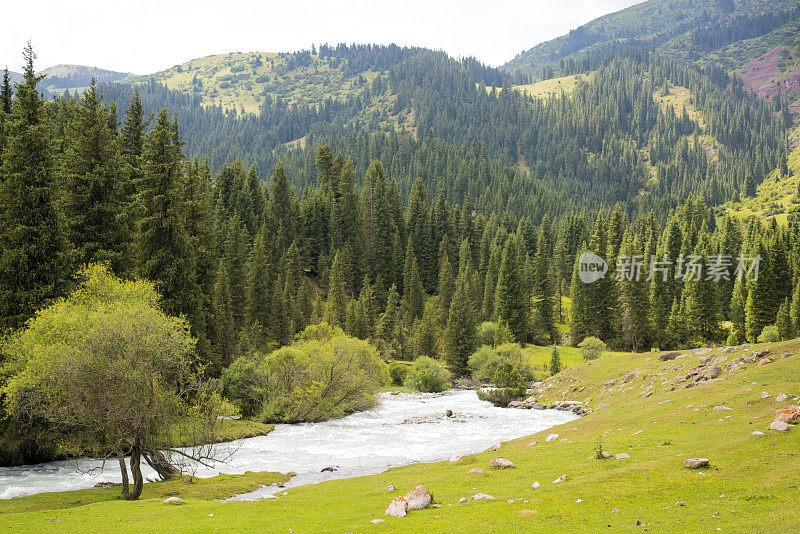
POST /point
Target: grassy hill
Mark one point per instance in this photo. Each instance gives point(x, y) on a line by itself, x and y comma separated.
point(647, 412)
point(241, 81)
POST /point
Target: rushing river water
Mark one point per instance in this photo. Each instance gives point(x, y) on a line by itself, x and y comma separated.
point(404, 429)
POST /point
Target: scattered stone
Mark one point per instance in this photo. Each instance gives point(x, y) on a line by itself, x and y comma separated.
point(579, 501)
point(501, 463)
point(638, 523)
point(615, 511)
point(437, 506)
point(516, 404)
point(622, 456)
point(536, 485)
point(779, 425)
point(482, 497)
point(695, 463)
point(418, 498)
point(764, 361)
point(330, 469)
point(786, 355)
point(528, 512)
point(449, 413)
point(630, 376)
point(782, 397)
point(377, 521)
point(475, 471)
point(173, 500)
point(390, 488)
point(107, 484)
point(562, 478)
point(497, 446)
point(397, 507)
point(606, 454)
point(704, 359)
point(788, 414)
point(758, 433)
point(680, 503)
point(666, 356)
point(713, 373)
point(727, 350)
point(551, 437)
point(610, 383)
point(722, 408)
point(761, 353)
point(462, 500)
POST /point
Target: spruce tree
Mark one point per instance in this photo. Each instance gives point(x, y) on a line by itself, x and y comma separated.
point(543, 280)
point(460, 336)
point(783, 321)
point(413, 293)
point(336, 310)
point(555, 361)
point(389, 317)
point(35, 256)
point(511, 300)
point(93, 201)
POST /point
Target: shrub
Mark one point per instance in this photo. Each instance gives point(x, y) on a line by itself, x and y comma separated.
point(501, 396)
point(486, 332)
point(427, 375)
point(244, 384)
point(770, 334)
point(508, 375)
point(591, 348)
point(485, 361)
point(397, 373)
point(317, 380)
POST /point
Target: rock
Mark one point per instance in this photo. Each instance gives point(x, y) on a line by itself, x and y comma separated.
point(501, 463)
point(713, 373)
point(615, 511)
point(449, 413)
point(622, 456)
point(695, 463)
point(397, 507)
point(330, 469)
point(779, 426)
point(680, 503)
point(721, 408)
point(602, 405)
point(578, 501)
point(727, 350)
point(638, 523)
point(418, 498)
point(630, 376)
point(536, 485)
point(377, 521)
point(606, 454)
point(390, 488)
point(787, 354)
point(270, 496)
point(758, 433)
point(562, 478)
point(761, 353)
point(497, 446)
point(482, 497)
point(704, 359)
point(462, 500)
point(610, 383)
point(437, 506)
point(516, 404)
point(666, 356)
point(551, 437)
point(539, 406)
point(764, 361)
point(173, 500)
point(782, 397)
point(788, 414)
point(475, 471)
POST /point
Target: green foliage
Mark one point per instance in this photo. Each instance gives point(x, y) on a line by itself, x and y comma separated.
point(555, 361)
point(486, 361)
point(427, 375)
point(486, 333)
point(770, 334)
point(398, 372)
point(501, 396)
point(592, 348)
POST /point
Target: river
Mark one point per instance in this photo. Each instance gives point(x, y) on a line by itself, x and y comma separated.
point(403, 429)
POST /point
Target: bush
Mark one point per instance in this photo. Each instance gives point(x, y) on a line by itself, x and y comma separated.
point(501, 396)
point(485, 361)
point(486, 332)
point(397, 373)
point(244, 384)
point(591, 348)
point(770, 334)
point(315, 380)
point(427, 375)
point(555, 361)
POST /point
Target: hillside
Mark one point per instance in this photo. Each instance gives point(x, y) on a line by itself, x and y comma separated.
point(686, 30)
point(642, 407)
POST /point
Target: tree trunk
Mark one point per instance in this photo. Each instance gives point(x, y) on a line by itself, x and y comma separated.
point(124, 469)
point(160, 464)
point(136, 471)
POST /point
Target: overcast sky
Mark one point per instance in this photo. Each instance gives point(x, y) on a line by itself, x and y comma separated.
point(150, 35)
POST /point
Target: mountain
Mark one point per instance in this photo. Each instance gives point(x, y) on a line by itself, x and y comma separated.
point(703, 31)
point(60, 77)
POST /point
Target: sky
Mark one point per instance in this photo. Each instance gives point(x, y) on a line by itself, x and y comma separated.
point(147, 36)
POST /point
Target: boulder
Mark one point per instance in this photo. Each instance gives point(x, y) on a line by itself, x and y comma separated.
point(705, 359)
point(397, 507)
point(501, 463)
point(722, 408)
point(666, 356)
point(758, 433)
point(390, 488)
point(418, 498)
point(173, 500)
point(516, 404)
point(622, 456)
point(475, 471)
point(606, 454)
point(779, 426)
point(695, 463)
point(562, 478)
point(448, 413)
point(610, 383)
point(551, 437)
point(329, 469)
point(782, 397)
point(761, 353)
point(462, 500)
point(482, 497)
point(764, 361)
point(788, 414)
point(630, 376)
point(377, 521)
point(728, 350)
point(539, 406)
point(536, 485)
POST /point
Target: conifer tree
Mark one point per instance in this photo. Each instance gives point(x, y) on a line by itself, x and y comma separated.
point(447, 287)
point(460, 336)
point(758, 311)
point(511, 301)
point(336, 311)
point(413, 294)
point(35, 256)
point(555, 361)
point(543, 281)
point(783, 321)
point(260, 275)
point(389, 318)
point(93, 200)
point(702, 307)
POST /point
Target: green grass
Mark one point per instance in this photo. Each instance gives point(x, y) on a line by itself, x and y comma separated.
point(751, 483)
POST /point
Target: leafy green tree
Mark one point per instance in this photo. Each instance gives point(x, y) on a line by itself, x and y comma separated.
point(592, 348)
point(35, 256)
point(427, 375)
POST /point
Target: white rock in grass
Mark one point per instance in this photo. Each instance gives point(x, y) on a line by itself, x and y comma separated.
point(377, 521)
point(622, 456)
point(779, 425)
point(695, 463)
point(482, 497)
point(536, 485)
point(551, 437)
point(562, 478)
point(397, 507)
point(173, 500)
point(418, 498)
point(501, 463)
point(758, 433)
